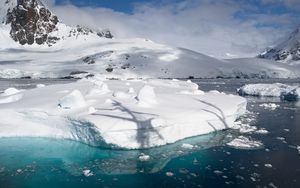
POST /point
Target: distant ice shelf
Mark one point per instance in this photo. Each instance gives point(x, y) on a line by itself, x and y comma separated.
point(129, 114)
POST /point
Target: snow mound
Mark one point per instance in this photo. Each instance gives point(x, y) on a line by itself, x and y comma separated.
point(10, 91)
point(243, 142)
point(108, 121)
point(73, 100)
point(146, 96)
point(286, 92)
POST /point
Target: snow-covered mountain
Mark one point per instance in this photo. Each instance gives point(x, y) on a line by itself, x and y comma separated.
point(34, 43)
point(30, 22)
point(286, 52)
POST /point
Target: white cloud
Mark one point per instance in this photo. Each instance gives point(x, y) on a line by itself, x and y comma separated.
point(205, 26)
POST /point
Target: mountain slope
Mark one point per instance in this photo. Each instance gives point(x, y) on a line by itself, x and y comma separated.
point(288, 51)
point(53, 49)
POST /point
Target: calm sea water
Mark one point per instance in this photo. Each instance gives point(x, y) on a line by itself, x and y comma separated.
point(36, 163)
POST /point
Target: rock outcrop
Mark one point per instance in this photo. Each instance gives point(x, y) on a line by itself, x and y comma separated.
point(31, 23)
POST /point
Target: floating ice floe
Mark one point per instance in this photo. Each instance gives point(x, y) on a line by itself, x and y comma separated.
point(268, 165)
point(87, 173)
point(270, 106)
point(243, 142)
point(157, 116)
point(286, 92)
point(187, 146)
point(144, 157)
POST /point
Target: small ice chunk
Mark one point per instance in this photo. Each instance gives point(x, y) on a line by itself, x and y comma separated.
point(298, 148)
point(280, 138)
point(268, 165)
point(144, 157)
point(244, 128)
point(218, 172)
point(40, 85)
point(147, 96)
point(272, 185)
point(243, 142)
point(187, 146)
point(19, 170)
point(270, 106)
point(169, 174)
point(262, 131)
point(87, 173)
point(73, 100)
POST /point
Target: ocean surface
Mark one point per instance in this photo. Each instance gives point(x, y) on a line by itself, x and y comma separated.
point(47, 163)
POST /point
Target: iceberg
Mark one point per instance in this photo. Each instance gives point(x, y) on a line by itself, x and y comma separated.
point(285, 92)
point(156, 114)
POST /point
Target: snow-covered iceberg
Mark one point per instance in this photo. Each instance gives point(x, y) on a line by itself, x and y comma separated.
point(286, 92)
point(128, 114)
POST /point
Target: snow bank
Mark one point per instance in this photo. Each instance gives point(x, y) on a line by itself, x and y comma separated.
point(286, 92)
point(70, 111)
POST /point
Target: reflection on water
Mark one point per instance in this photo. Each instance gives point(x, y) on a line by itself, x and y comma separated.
point(75, 157)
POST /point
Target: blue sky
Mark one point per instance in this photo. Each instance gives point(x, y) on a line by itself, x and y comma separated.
point(127, 6)
point(118, 5)
point(214, 27)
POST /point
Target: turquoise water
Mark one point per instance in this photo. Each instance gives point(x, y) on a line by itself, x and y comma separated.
point(35, 163)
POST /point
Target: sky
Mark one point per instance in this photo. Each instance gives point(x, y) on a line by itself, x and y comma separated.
point(219, 28)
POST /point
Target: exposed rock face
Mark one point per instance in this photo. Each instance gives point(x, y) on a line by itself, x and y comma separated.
point(31, 22)
point(287, 51)
point(79, 30)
